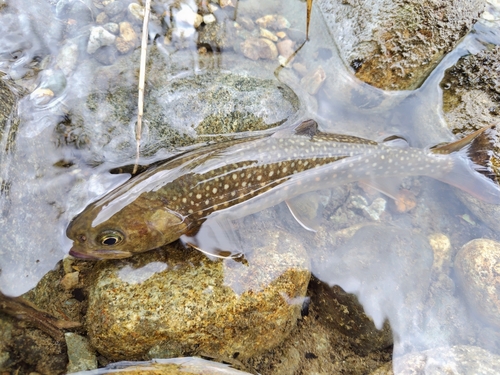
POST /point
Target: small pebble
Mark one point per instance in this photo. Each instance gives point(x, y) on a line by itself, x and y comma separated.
point(114, 8)
point(188, 16)
point(102, 18)
point(127, 39)
point(313, 80)
point(208, 18)
point(213, 8)
point(441, 247)
point(70, 280)
point(101, 4)
point(246, 23)
point(42, 96)
point(106, 55)
point(67, 58)
point(405, 201)
point(300, 68)
point(80, 354)
point(281, 34)
point(286, 48)
point(268, 34)
point(99, 37)
point(136, 12)
point(227, 3)
point(112, 27)
point(273, 22)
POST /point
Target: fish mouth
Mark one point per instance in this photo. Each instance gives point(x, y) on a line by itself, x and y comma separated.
point(78, 255)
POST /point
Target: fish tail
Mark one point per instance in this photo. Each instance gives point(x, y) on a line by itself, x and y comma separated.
point(465, 176)
point(469, 172)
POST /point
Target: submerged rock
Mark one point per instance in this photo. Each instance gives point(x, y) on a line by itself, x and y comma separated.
point(477, 266)
point(394, 45)
point(179, 104)
point(174, 366)
point(173, 302)
point(342, 311)
point(459, 360)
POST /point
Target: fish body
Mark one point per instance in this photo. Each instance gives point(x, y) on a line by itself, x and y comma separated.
point(247, 175)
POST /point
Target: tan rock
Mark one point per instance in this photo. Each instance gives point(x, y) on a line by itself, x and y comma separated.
point(273, 22)
point(477, 266)
point(128, 38)
point(177, 301)
point(268, 34)
point(255, 48)
point(313, 80)
point(70, 280)
point(286, 48)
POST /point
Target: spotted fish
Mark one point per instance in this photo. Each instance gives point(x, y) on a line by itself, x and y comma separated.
point(246, 175)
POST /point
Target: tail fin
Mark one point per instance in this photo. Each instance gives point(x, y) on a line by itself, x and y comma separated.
point(464, 174)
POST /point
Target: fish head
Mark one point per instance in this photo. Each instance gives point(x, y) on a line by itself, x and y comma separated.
point(133, 229)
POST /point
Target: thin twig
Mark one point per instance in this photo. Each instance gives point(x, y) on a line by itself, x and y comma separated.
point(142, 79)
point(308, 21)
point(23, 310)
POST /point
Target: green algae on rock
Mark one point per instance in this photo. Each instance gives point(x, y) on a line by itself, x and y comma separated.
point(173, 302)
point(234, 95)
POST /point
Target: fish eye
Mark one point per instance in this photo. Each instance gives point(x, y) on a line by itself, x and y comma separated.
point(110, 237)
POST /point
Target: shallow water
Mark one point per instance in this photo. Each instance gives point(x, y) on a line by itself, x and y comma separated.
point(52, 177)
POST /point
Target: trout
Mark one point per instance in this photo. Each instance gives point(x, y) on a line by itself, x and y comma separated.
point(246, 175)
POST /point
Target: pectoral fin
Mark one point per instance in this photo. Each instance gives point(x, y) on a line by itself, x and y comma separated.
point(308, 209)
point(215, 238)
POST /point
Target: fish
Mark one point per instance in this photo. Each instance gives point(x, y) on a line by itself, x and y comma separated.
point(241, 176)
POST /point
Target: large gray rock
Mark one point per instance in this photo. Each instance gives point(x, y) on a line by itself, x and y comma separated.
point(394, 45)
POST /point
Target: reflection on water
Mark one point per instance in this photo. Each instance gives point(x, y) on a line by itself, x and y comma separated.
point(71, 133)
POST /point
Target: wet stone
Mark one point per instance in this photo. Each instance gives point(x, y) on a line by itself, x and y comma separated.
point(175, 301)
point(460, 359)
point(217, 35)
point(174, 366)
point(99, 37)
point(106, 55)
point(471, 100)
point(342, 311)
point(397, 48)
point(127, 39)
point(80, 353)
point(389, 270)
point(477, 266)
point(259, 48)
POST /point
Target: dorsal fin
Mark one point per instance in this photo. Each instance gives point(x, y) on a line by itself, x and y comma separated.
point(460, 144)
point(307, 127)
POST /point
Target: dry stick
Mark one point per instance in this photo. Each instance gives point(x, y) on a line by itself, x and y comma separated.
point(309, 7)
point(142, 79)
point(23, 310)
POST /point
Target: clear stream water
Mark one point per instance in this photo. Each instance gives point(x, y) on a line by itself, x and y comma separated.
point(50, 181)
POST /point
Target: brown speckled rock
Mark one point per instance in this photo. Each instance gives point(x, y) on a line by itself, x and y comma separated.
point(477, 266)
point(172, 302)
